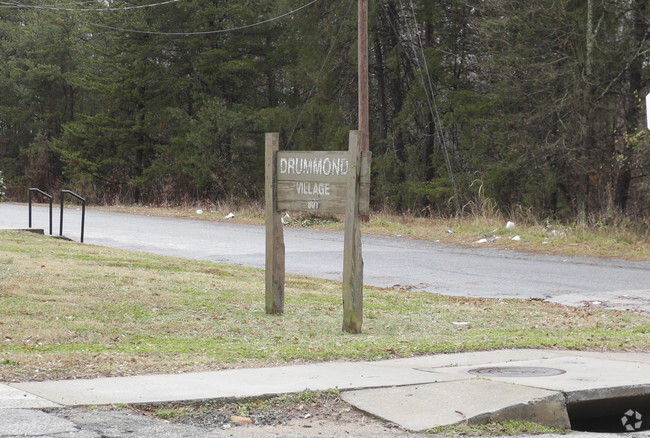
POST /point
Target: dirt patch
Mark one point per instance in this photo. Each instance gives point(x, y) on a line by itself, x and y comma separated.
point(309, 413)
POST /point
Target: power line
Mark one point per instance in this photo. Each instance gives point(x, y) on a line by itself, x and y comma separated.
point(56, 8)
point(429, 91)
point(149, 32)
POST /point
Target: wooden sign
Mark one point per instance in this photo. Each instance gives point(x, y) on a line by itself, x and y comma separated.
point(317, 181)
point(332, 182)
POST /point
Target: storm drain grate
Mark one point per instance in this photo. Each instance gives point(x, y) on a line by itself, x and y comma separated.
point(627, 413)
point(516, 371)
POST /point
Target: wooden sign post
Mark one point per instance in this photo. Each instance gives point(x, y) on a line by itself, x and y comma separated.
point(352, 259)
point(274, 234)
point(325, 182)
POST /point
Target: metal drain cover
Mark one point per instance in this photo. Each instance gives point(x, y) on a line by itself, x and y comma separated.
point(517, 371)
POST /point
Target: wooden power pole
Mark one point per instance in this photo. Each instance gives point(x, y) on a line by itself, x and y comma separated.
point(364, 116)
point(364, 92)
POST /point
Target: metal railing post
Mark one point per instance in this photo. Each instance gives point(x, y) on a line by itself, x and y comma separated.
point(48, 196)
point(61, 217)
point(30, 208)
point(83, 212)
point(83, 218)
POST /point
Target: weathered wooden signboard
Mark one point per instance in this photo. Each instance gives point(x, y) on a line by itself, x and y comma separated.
point(317, 181)
point(326, 182)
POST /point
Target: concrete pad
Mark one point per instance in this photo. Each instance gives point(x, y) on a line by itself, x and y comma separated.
point(25, 422)
point(228, 383)
point(12, 398)
point(423, 407)
point(582, 373)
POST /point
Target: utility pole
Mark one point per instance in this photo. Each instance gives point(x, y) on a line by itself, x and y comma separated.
point(364, 117)
point(364, 93)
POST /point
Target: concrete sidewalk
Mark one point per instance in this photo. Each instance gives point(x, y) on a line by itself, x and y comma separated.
point(556, 388)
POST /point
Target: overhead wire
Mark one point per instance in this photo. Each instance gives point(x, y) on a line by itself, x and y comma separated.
point(429, 91)
point(57, 8)
point(187, 33)
point(432, 102)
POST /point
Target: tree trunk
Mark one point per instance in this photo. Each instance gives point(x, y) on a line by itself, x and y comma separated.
point(381, 88)
point(632, 112)
point(582, 195)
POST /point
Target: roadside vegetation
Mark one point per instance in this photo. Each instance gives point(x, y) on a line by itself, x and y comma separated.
point(70, 310)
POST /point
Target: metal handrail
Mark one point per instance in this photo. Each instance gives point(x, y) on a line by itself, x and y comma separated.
point(48, 196)
point(83, 212)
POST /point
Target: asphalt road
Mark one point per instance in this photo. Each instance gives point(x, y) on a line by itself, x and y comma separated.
point(389, 261)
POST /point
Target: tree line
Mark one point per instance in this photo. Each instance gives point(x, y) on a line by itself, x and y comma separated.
point(521, 104)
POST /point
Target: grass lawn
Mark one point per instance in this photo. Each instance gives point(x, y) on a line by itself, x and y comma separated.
point(70, 310)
